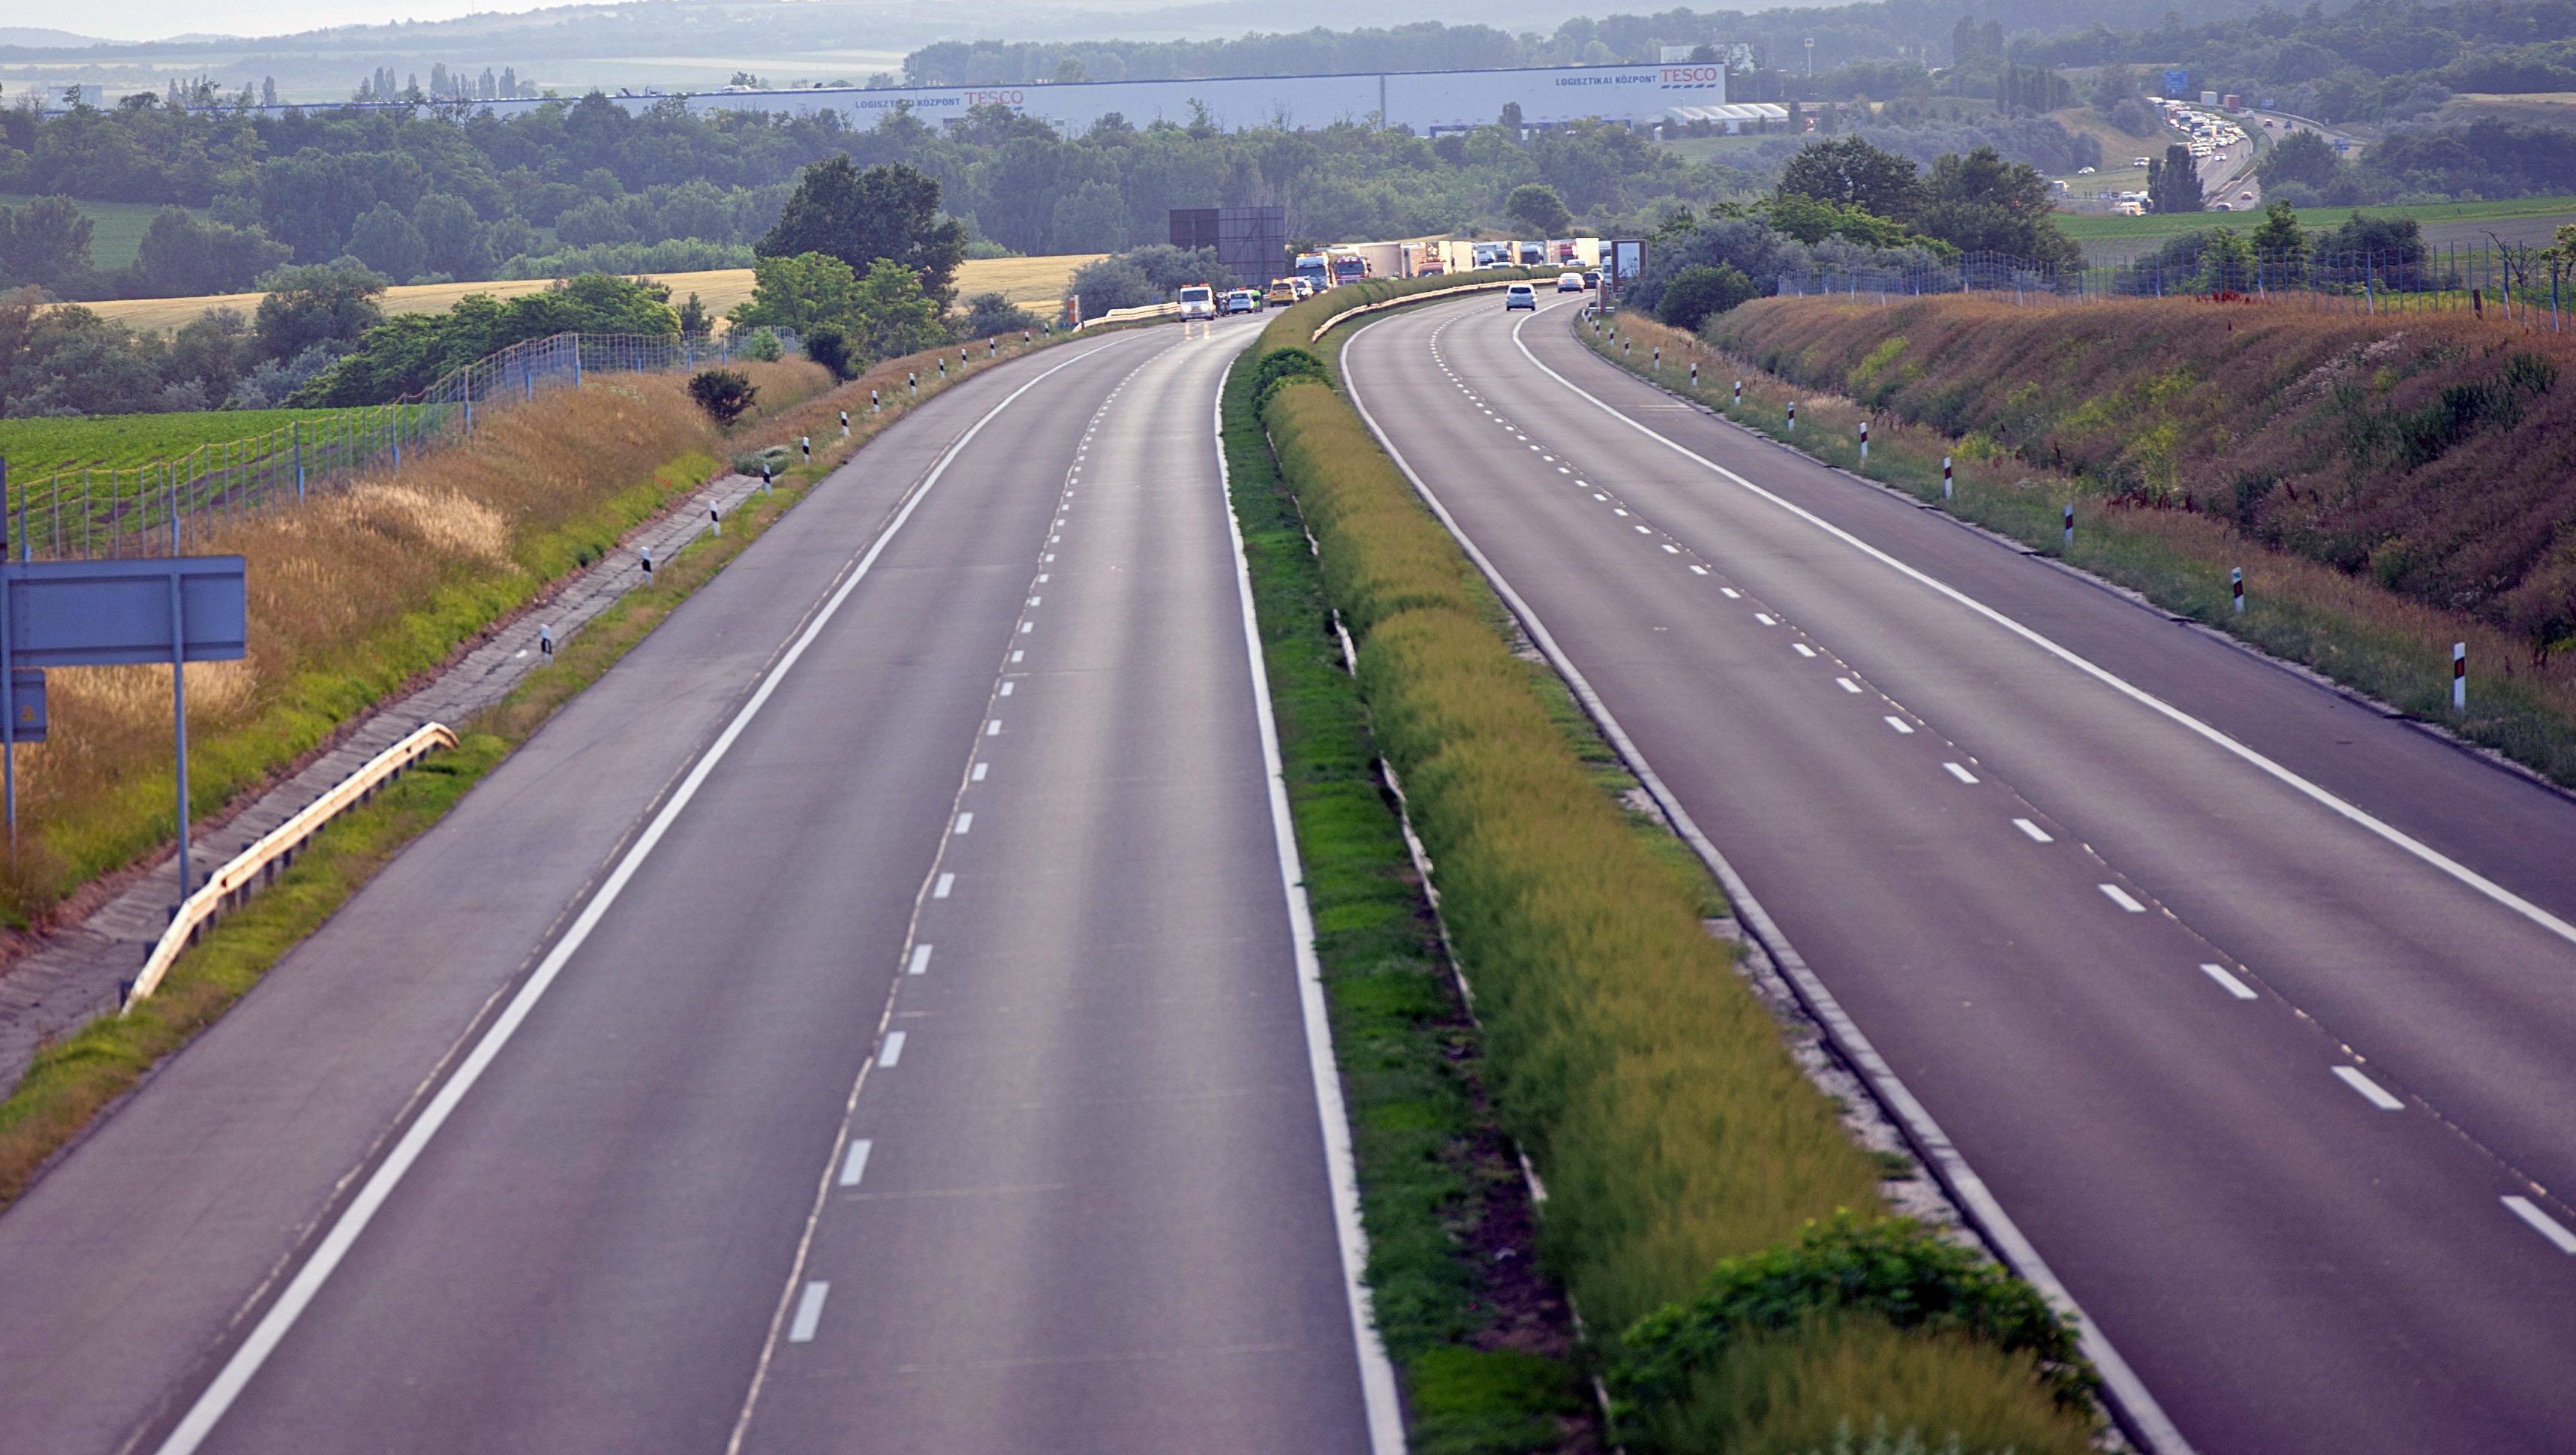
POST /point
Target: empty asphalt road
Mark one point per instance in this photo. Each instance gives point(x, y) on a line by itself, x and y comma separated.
point(869, 1019)
point(2251, 1006)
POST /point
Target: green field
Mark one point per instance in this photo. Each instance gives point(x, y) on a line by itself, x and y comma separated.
point(2155, 227)
point(38, 446)
point(116, 228)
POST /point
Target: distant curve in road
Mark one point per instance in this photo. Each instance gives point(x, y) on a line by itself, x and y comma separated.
point(922, 1065)
point(2282, 1101)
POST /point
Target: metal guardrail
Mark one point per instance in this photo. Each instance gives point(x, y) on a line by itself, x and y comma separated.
point(231, 885)
point(1131, 315)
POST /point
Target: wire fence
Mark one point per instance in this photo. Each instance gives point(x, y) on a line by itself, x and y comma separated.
point(162, 507)
point(2516, 286)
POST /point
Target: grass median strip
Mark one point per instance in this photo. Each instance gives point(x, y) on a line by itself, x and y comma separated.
point(72, 1080)
point(1646, 1083)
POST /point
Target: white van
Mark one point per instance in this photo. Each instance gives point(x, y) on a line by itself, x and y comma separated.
point(1198, 300)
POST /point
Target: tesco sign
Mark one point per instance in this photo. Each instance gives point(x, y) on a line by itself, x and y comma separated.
point(1693, 75)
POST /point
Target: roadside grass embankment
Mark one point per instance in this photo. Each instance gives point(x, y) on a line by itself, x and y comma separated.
point(72, 1080)
point(2389, 487)
point(1648, 1086)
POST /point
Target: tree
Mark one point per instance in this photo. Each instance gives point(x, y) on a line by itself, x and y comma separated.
point(695, 320)
point(1538, 208)
point(802, 292)
point(1106, 283)
point(180, 255)
point(2173, 181)
point(386, 241)
point(889, 211)
point(1697, 294)
point(2303, 157)
point(893, 313)
point(2281, 245)
point(451, 236)
point(2227, 262)
point(44, 244)
point(1978, 202)
point(1851, 172)
point(725, 394)
point(990, 313)
point(829, 347)
point(316, 306)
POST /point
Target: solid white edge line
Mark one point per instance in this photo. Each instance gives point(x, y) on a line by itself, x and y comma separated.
point(2542, 1223)
point(264, 1337)
point(2127, 1393)
point(2371, 1091)
point(1377, 1372)
point(2350, 811)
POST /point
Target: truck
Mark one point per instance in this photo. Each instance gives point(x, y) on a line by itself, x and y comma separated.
point(1348, 266)
point(1315, 269)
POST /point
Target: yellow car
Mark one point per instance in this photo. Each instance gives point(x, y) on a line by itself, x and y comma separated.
point(1283, 291)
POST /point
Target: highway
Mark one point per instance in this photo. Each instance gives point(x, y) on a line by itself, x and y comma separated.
point(2249, 1005)
point(871, 1017)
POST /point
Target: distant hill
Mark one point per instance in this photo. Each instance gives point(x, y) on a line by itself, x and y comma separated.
point(37, 35)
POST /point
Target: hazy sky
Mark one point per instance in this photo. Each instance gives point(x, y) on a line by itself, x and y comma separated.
point(155, 19)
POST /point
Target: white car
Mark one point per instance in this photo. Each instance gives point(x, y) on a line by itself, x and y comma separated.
point(1569, 282)
point(1198, 300)
point(1522, 295)
point(2086, 171)
point(1243, 300)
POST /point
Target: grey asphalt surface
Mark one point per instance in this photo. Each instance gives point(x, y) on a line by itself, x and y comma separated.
point(1095, 1216)
point(2288, 1267)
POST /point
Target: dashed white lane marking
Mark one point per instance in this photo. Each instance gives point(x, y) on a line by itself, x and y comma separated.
point(1006, 688)
point(2542, 1223)
point(1597, 495)
point(1028, 626)
point(1042, 576)
point(980, 770)
point(1730, 593)
point(992, 729)
point(1017, 654)
point(854, 1163)
point(2037, 834)
point(1049, 556)
point(965, 821)
point(1900, 724)
point(893, 1049)
point(1563, 471)
point(1962, 774)
point(2122, 898)
point(920, 962)
point(1846, 684)
point(1615, 510)
point(2371, 1091)
point(809, 1312)
point(1699, 570)
point(1641, 530)
point(2227, 981)
point(1672, 550)
point(946, 882)
point(1764, 617)
point(1033, 601)
point(1801, 648)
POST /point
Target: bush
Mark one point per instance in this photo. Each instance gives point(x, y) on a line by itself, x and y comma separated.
point(1106, 283)
point(1895, 1269)
point(723, 393)
point(829, 347)
point(1697, 294)
point(1280, 366)
point(990, 313)
point(762, 345)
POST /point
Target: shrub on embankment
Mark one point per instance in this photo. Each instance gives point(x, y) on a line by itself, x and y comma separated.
point(1647, 1084)
point(350, 597)
point(2434, 454)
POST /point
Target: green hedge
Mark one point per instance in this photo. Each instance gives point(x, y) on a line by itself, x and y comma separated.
point(1649, 1086)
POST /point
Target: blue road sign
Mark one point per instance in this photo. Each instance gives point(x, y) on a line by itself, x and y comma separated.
point(105, 613)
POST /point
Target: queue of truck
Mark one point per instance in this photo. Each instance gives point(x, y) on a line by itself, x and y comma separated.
point(1330, 267)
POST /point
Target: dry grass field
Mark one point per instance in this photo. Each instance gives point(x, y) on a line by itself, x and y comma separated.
point(351, 596)
point(1035, 283)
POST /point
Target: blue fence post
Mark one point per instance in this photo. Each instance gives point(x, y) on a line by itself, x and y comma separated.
point(295, 428)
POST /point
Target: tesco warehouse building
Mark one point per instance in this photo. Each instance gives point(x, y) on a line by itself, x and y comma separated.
point(1424, 102)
